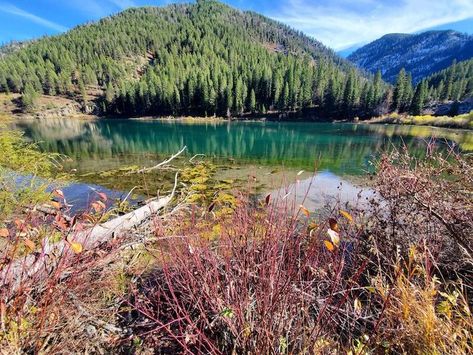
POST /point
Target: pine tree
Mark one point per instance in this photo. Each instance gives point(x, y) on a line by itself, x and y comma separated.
point(252, 103)
point(408, 94)
point(109, 95)
point(82, 94)
point(29, 97)
point(349, 95)
point(400, 90)
point(377, 88)
point(419, 98)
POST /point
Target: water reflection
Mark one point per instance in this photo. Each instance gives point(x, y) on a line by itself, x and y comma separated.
point(337, 147)
point(324, 189)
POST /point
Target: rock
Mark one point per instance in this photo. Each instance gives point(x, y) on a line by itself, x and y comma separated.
point(450, 108)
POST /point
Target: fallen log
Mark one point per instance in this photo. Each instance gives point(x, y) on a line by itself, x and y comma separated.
point(37, 266)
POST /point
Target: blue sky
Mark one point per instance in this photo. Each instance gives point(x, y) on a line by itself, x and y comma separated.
point(339, 24)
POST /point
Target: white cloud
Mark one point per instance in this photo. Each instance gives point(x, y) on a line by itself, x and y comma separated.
point(343, 23)
point(13, 10)
point(123, 4)
point(99, 8)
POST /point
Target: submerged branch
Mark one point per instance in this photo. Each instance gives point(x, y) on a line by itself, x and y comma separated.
point(163, 163)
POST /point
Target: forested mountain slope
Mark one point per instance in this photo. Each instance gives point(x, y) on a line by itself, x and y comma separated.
point(204, 58)
point(419, 54)
point(451, 85)
point(454, 83)
point(11, 47)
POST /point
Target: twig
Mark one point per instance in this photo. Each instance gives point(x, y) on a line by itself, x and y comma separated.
point(131, 191)
point(195, 156)
point(157, 166)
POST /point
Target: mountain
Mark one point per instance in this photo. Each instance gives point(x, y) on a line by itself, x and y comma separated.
point(199, 59)
point(420, 54)
point(344, 53)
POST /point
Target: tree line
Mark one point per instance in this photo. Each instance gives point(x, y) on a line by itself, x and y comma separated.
point(203, 58)
point(209, 59)
point(454, 83)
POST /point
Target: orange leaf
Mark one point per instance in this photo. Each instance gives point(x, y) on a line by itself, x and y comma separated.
point(305, 211)
point(29, 244)
point(334, 225)
point(329, 245)
point(58, 193)
point(4, 233)
point(98, 206)
point(346, 215)
point(19, 224)
point(102, 196)
point(62, 223)
point(56, 205)
point(76, 247)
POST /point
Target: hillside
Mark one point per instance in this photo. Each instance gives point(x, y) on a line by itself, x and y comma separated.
point(11, 47)
point(204, 58)
point(453, 83)
point(420, 54)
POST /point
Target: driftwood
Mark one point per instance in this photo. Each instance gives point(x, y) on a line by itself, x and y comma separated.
point(37, 266)
point(163, 163)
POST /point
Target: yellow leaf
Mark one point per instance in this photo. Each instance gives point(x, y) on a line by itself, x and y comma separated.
point(4, 233)
point(334, 236)
point(29, 244)
point(76, 247)
point(357, 305)
point(247, 331)
point(346, 215)
point(305, 211)
point(329, 245)
point(313, 225)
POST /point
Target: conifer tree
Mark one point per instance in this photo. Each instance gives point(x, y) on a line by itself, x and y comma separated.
point(419, 98)
point(29, 97)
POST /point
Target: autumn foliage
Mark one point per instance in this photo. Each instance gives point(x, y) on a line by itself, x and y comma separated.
point(391, 274)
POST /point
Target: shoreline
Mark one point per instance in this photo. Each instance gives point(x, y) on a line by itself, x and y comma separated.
point(462, 122)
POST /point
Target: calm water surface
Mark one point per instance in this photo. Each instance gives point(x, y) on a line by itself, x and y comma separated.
point(340, 151)
point(340, 148)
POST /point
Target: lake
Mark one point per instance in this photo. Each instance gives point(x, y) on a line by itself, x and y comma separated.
point(340, 151)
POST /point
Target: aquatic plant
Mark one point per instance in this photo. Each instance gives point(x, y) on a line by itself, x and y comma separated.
point(24, 172)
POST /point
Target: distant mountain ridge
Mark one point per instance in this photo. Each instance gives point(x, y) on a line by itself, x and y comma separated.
point(420, 54)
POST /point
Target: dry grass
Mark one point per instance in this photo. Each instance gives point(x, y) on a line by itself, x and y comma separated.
point(460, 121)
point(394, 278)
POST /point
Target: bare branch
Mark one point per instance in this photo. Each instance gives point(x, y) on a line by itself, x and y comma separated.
point(163, 163)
